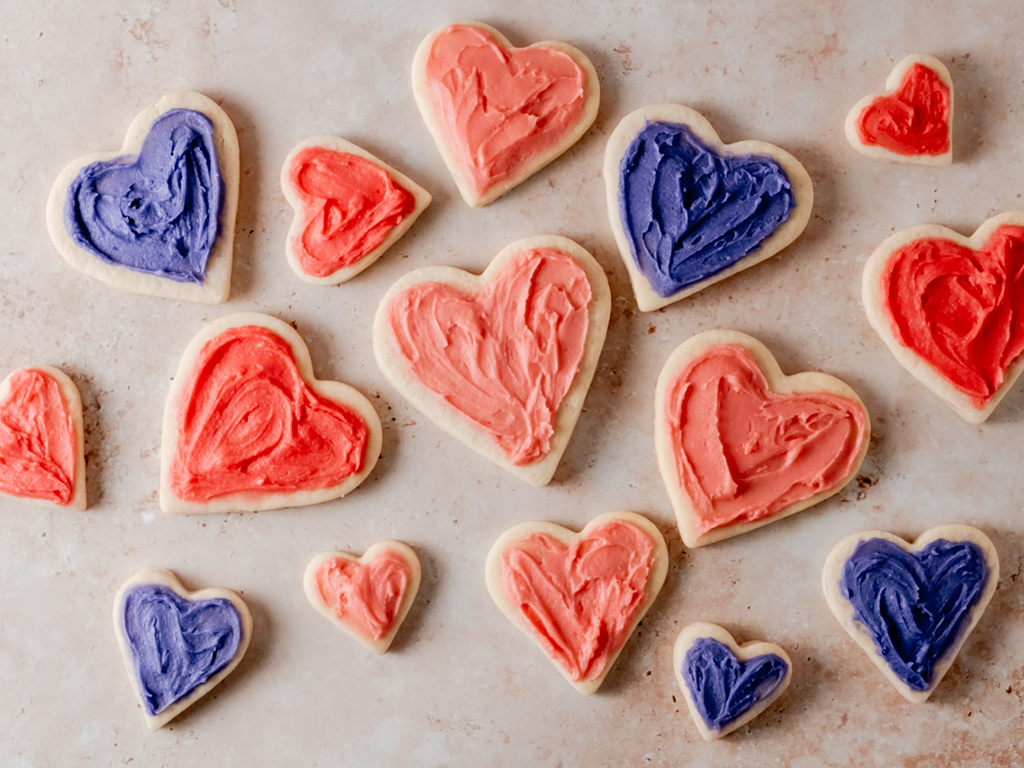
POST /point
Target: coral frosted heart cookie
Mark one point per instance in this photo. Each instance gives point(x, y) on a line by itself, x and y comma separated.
point(741, 445)
point(177, 644)
point(579, 596)
point(502, 361)
point(366, 596)
point(951, 309)
point(499, 114)
point(913, 121)
point(248, 427)
point(688, 210)
point(727, 685)
point(911, 606)
point(158, 216)
point(42, 444)
point(350, 207)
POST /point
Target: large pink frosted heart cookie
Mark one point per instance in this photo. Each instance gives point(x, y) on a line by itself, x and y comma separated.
point(366, 596)
point(42, 456)
point(579, 596)
point(499, 114)
point(349, 205)
point(741, 445)
point(502, 361)
point(248, 427)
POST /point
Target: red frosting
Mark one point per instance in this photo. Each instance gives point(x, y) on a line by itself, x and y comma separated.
point(37, 439)
point(501, 107)
point(579, 601)
point(249, 423)
point(743, 452)
point(961, 310)
point(913, 120)
point(350, 206)
point(505, 357)
point(366, 596)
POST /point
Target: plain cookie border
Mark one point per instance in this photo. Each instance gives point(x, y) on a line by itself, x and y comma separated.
point(843, 610)
point(779, 383)
point(335, 391)
point(493, 577)
point(421, 200)
point(424, 99)
point(647, 298)
point(148, 576)
point(430, 404)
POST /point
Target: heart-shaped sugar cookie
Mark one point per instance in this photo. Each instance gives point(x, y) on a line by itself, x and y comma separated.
point(366, 596)
point(501, 361)
point(951, 309)
point(727, 685)
point(499, 114)
point(248, 427)
point(177, 644)
point(350, 207)
point(913, 121)
point(912, 606)
point(688, 210)
point(579, 596)
point(42, 444)
point(741, 445)
point(158, 216)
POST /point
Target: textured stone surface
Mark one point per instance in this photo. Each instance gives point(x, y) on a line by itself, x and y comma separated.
point(461, 686)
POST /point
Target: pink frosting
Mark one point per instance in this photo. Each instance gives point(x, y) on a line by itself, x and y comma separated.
point(505, 357)
point(366, 596)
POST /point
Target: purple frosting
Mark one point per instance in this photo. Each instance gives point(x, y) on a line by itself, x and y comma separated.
point(177, 644)
point(158, 212)
point(688, 212)
point(722, 688)
point(915, 605)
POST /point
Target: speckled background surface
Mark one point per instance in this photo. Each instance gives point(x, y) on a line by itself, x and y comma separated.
point(461, 686)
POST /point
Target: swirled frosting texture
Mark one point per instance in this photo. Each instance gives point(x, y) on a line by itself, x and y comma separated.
point(249, 423)
point(366, 596)
point(580, 601)
point(505, 357)
point(742, 452)
point(915, 605)
point(689, 212)
point(177, 644)
point(723, 688)
point(913, 120)
point(961, 310)
point(156, 213)
point(38, 444)
point(501, 107)
point(350, 207)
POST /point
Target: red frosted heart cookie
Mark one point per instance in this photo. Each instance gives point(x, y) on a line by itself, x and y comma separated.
point(913, 122)
point(42, 456)
point(502, 361)
point(366, 596)
point(350, 207)
point(579, 596)
point(741, 445)
point(499, 114)
point(248, 427)
point(950, 308)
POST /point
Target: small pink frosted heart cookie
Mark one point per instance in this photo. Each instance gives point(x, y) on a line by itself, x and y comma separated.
point(741, 445)
point(913, 121)
point(42, 445)
point(366, 596)
point(249, 427)
point(502, 361)
point(499, 114)
point(579, 596)
point(349, 205)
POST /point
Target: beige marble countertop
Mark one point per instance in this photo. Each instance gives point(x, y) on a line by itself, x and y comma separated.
point(461, 686)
